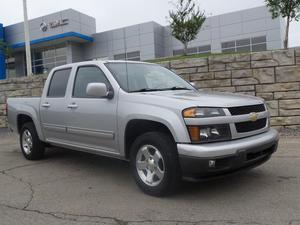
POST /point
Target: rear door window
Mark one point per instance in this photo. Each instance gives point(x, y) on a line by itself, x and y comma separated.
point(58, 84)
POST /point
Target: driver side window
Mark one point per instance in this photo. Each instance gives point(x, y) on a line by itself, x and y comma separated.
point(86, 75)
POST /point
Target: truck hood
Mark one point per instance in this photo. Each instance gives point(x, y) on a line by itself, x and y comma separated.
point(204, 98)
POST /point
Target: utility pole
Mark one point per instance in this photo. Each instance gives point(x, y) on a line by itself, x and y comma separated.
point(27, 39)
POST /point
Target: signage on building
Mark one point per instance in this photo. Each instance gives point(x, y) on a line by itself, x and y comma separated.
point(57, 23)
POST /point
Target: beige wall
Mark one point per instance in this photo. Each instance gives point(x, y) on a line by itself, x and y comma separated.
point(272, 75)
point(19, 87)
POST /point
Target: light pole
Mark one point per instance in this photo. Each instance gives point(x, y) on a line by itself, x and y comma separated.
point(27, 39)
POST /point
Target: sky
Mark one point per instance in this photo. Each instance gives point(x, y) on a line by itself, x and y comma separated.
point(112, 14)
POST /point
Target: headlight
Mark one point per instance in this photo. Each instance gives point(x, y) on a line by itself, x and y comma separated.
point(209, 133)
point(202, 112)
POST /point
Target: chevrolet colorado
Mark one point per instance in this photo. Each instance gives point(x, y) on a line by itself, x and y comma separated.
point(148, 115)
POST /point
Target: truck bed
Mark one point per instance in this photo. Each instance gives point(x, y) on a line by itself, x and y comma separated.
point(28, 106)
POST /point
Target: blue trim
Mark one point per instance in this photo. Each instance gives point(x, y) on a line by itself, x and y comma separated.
point(1, 31)
point(55, 37)
point(2, 56)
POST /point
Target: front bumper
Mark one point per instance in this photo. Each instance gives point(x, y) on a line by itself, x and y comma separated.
point(225, 157)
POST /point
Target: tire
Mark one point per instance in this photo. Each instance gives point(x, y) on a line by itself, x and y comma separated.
point(157, 172)
point(32, 147)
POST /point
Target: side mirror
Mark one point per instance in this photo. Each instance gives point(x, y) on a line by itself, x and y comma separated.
point(98, 90)
point(193, 84)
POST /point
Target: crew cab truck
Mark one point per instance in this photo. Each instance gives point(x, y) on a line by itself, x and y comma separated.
point(148, 115)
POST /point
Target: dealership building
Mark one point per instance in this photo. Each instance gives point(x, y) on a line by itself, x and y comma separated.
point(70, 36)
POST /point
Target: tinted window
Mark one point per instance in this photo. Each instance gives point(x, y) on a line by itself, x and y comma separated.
point(178, 52)
point(243, 42)
point(133, 54)
point(58, 84)
point(120, 56)
point(259, 47)
point(86, 75)
point(192, 50)
point(228, 44)
point(257, 40)
point(205, 48)
point(243, 49)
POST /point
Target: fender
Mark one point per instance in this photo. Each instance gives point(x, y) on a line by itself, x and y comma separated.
point(152, 113)
point(31, 112)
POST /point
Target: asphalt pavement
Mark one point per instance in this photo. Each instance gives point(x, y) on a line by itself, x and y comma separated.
point(69, 187)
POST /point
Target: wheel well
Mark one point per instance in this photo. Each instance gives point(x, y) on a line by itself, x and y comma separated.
point(136, 128)
point(21, 120)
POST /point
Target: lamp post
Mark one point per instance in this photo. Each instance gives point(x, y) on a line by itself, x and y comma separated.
point(27, 39)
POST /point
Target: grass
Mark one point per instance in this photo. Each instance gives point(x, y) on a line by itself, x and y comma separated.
point(181, 57)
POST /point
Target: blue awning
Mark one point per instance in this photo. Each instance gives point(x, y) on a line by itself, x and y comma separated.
point(56, 37)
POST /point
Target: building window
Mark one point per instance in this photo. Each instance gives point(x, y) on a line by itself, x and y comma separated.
point(259, 47)
point(259, 44)
point(10, 67)
point(205, 49)
point(254, 44)
point(45, 59)
point(178, 52)
point(120, 56)
point(228, 45)
point(191, 51)
point(132, 56)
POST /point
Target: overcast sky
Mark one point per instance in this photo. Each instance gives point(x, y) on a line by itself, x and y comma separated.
point(112, 14)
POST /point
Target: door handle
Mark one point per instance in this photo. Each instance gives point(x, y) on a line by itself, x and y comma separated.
point(73, 106)
point(46, 105)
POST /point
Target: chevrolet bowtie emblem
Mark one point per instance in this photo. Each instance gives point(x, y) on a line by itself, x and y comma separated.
point(253, 116)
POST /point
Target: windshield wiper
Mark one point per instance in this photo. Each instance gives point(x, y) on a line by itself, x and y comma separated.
point(145, 90)
point(162, 89)
point(176, 88)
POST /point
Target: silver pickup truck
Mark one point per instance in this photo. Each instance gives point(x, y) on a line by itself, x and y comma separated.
point(148, 115)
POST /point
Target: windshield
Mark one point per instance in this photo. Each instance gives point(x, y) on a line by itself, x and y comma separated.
point(139, 77)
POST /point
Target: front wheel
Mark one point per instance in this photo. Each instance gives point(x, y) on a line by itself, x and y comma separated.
point(154, 164)
point(32, 147)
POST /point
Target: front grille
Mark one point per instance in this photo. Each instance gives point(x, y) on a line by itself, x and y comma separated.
point(248, 126)
point(241, 110)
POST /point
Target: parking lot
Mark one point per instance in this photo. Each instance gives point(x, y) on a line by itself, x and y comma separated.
point(77, 188)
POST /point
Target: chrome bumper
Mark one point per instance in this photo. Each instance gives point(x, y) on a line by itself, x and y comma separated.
point(229, 147)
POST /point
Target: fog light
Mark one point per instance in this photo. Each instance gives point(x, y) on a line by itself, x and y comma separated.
point(212, 163)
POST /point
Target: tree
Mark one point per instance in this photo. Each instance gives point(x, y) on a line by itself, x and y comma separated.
point(186, 21)
point(4, 48)
point(289, 9)
point(2, 45)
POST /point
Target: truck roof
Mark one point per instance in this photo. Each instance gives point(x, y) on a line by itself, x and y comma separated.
point(98, 61)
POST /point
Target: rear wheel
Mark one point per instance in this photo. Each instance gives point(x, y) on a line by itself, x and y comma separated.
point(154, 164)
point(32, 147)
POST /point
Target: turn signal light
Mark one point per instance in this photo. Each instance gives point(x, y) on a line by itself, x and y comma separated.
point(189, 113)
point(204, 112)
point(194, 133)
